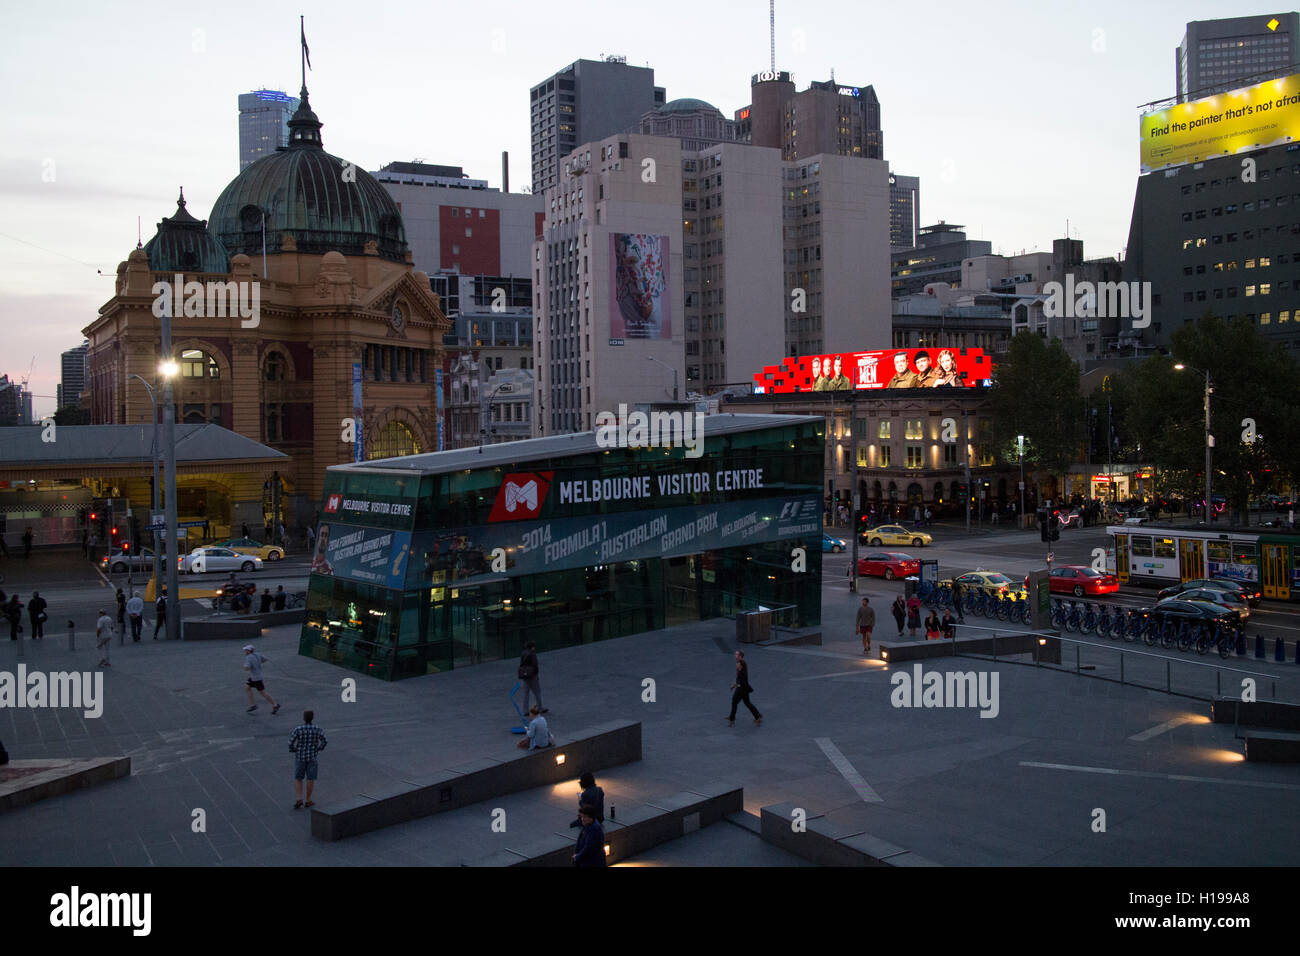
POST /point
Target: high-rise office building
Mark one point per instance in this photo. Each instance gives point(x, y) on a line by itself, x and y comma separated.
point(263, 123)
point(827, 118)
point(904, 211)
point(695, 123)
point(691, 280)
point(74, 376)
point(1219, 55)
point(586, 101)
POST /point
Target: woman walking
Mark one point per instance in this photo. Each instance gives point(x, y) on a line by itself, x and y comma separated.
point(913, 615)
point(899, 610)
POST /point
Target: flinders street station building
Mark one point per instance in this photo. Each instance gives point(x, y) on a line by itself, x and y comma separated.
point(298, 322)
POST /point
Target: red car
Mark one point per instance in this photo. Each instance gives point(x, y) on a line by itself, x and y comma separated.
point(888, 565)
point(1080, 579)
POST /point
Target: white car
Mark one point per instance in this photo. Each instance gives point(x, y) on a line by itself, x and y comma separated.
point(218, 559)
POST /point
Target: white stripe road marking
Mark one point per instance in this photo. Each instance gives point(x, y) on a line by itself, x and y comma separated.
point(1162, 776)
point(846, 770)
point(1159, 729)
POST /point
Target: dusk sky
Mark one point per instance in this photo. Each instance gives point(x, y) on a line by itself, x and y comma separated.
point(1017, 116)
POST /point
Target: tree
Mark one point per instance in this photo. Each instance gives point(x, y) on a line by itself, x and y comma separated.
point(1036, 394)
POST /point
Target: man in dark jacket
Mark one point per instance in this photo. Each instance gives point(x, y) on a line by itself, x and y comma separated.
point(529, 670)
point(36, 611)
point(742, 690)
point(590, 850)
point(591, 796)
point(13, 611)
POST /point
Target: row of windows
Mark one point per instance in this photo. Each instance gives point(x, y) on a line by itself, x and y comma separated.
point(914, 456)
point(1262, 174)
point(395, 364)
point(1262, 288)
point(1200, 242)
point(1284, 199)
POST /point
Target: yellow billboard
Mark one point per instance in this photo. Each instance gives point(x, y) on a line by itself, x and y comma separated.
point(1253, 117)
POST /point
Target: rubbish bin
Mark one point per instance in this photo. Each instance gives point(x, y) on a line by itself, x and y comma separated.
point(911, 585)
point(753, 626)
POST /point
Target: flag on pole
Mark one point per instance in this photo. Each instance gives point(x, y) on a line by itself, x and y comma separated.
point(306, 51)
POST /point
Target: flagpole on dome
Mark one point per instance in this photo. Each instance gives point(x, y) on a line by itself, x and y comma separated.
point(306, 52)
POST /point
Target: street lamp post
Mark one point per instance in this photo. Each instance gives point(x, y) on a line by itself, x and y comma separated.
point(857, 500)
point(1020, 441)
point(154, 508)
point(666, 365)
point(168, 369)
point(1209, 442)
point(965, 417)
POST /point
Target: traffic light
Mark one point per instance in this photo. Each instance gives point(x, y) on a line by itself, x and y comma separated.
point(1054, 526)
point(1043, 531)
point(116, 542)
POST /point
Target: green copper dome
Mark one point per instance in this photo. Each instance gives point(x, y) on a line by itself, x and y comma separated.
point(324, 202)
point(183, 244)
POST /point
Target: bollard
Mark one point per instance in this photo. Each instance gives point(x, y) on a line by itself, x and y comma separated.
point(72, 635)
point(1279, 651)
point(1241, 643)
point(1259, 646)
point(21, 642)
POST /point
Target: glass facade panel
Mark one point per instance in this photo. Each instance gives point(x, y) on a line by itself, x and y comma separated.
point(420, 573)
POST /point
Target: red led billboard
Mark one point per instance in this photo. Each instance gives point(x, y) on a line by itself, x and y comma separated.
point(892, 368)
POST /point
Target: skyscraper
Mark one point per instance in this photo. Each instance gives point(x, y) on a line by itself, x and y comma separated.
point(1219, 55)
point(263, 123)
point(904, 211)
point(828, 118)
point(586, 101)
point(74, 376)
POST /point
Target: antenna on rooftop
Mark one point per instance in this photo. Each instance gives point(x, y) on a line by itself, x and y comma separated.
point(771, 29)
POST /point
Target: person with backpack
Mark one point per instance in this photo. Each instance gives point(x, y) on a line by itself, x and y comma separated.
point(899, 610)
point(529, 670)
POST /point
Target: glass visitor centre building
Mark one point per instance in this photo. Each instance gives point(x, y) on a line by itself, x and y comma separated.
point(428, 562)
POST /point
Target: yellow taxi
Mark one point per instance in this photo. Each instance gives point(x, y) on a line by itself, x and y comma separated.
point(894, 534)
point(267, 552)
point(993, 583)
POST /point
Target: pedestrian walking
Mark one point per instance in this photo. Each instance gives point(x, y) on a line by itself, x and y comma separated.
point(956, 600)
point(91, 545)
point(121, 612)
point(266, 533)
point(13, 612)
point(866, 622)
point(311, 538)
point(4, 548)
point(266, 601)
point(135, 613)
point(899, 610)
point(85, 542)
point(160, 613)
point(948, 625)
point(529, 671)
point(284, 537)
point(36, 611)
point(591, 796)
point(27, 543)
point(103, 636)
point(538, 736)
point(932, 626)
point(305, 743)
point(243, 530)
point(590, 848)
point(253, 662)
point(279, 597)
point(741, 690)
point(928, 518)
point(913, 615)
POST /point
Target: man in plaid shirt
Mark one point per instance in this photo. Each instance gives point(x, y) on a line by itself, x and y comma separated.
point(306, 741)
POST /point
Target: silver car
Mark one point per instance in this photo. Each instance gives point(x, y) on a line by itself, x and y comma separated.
point(218, 559)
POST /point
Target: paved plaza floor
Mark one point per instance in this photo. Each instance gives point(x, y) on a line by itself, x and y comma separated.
point(1031, 785)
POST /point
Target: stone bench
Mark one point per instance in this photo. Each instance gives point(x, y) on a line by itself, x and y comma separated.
point(30, 780)
point(827, 843)
point(637, 829)
point(399, 801)
point(1274, 714)
point(1004, 645)
point(1273, 748)
point(241, 628)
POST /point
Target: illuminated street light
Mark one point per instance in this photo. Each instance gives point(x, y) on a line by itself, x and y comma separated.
point(1209, 440)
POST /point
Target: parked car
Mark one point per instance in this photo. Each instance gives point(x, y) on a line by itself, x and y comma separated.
point(218, 559)
point(894, 534)
point(1193, 611)
point(888, 565)
point(1233, 600)
point(1080, 579)
point(120, 560)
point(833, 545)
point(993, 583)
point(1249, 591)
point(267, 552)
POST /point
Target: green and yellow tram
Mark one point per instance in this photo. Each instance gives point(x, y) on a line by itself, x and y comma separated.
point(1152, 554)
